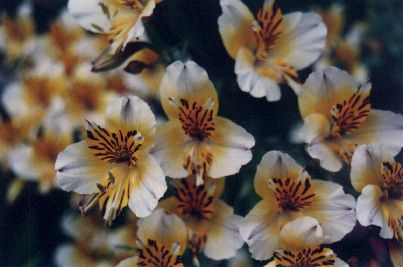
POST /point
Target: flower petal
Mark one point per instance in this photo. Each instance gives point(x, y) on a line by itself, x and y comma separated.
point(274, 164)
point(315, 128)
point(366, 164)
point(90, 15)
point(235, 26)
point(302, 40)
point(23, 164)
point(223, 239)
point(382, 127)
point(301, 233)
point(333, 209)
point(132, 113)
point(186, 81)
point(78, 170)
point(129, 262)
point(260, 229)
point(369, 210)
point(323, 89)
point(251, 81)
point(163, 227)
point(327, 157)
point(230, 147)
point(169, 149)
point(149, 186)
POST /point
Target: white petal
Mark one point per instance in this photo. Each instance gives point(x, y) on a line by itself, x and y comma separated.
point(369, 210)
point(235, 26)
point(301, 233)
point(383, 127)
point(189, 81)
point(129, 262)
point(230, 147)
point(149, 186)
point(325, 88)
point(274, 164)
point(366, 164)
point(316, 127)
point(249, 80)
point(89, 13)
point(340, 263)
point(334, 209)
point(132, 113)
point(169, 149)
point(78, 170)
point(23, 164)
point(223, 239)
point(166, 228)
point(306, 34)
point(261, 230)
point(328, 159)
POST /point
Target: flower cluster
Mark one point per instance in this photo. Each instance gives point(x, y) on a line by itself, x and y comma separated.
point(83, 115)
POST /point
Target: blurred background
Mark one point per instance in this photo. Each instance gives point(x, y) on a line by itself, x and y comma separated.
point(365, 38)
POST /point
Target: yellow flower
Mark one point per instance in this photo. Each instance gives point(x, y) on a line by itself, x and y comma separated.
point(161, 240)
point(31, 98)
point(211, 224)
point(379, 178)
point(90, 246)
point(269, 49)
point(342, 50)
point(301, 246)
point(114, 163)
point(17, 35)
point(120, 20)
point(195, 140)
point(337, 117)
point(34, 160)
point(289, 193)
point(87, 96)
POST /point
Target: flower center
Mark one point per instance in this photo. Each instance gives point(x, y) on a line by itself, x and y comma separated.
point(195, 201)
point(155, 254)
point(292, 195)
point(348, 116)
point(85, 94)
point(267, 29)
point(392, 173)
point(38, 90)
point(114, 147)
point(197, 121)
point(307, 257)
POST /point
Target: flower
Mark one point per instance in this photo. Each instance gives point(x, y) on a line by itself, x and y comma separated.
point(301, 246)
point(337, 117)
point(195, 140)
point(379, 178)
point(289, 193)
point(161, 240)
point(120, 20)
point(86, 96)
point(270, 49)
point(113, 163)
point(31, 98)
point(211, 224)
point(343, 51)
point(17, 35)
point(34, 159)
point(90, 246)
